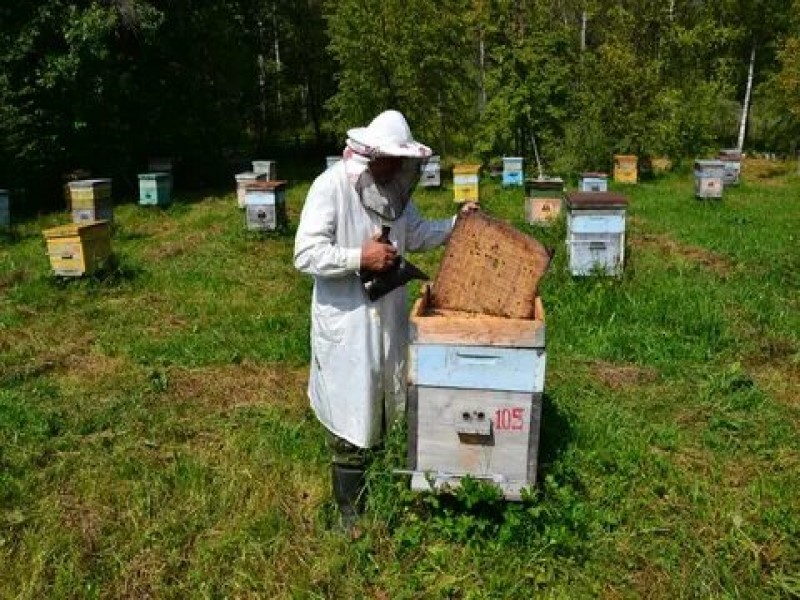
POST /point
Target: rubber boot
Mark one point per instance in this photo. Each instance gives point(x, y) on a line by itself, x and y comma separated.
point(349, 492)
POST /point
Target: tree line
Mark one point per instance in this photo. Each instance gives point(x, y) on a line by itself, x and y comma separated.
point(102, 85)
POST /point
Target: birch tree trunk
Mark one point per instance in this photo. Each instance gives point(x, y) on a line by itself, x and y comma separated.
point(746, 104)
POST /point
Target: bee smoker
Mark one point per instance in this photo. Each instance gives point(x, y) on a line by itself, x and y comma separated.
point(401, 272)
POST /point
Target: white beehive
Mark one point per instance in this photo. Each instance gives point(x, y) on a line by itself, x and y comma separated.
point(475, 398)
point(596, 232)
point(268, 168)
point(265, 205)
point(431, 172)
point(242, 180)
point(708, 178)
point(593, 182)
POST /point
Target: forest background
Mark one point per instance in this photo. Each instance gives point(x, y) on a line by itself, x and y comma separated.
point(103, 85)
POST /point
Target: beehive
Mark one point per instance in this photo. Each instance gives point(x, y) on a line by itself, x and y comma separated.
point(242, 180)
point(513, 171)
point(625, 168)
point(76, 175)
point(593, 182)
point(489, 268)
point(596, 232)
point(265, 205)
point(79, 248)
point(475, 397)
point(5, 210)
point(708, 178)
point(155, 189)
point(543, 200)
point(430, 172)
point(268, 168)
point(465, 183)
point(90, 200)
point(732, 162)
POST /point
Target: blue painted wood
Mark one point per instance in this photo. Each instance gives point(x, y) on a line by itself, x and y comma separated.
point(513, 178)
point(478, 367)
point(155, 189)
point(596, 223)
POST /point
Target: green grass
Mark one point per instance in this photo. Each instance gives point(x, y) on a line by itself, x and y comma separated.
point(155, 438)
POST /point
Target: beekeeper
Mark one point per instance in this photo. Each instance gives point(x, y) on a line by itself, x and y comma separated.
point(358, 347)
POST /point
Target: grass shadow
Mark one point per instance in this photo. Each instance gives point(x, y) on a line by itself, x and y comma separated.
point(554, 437)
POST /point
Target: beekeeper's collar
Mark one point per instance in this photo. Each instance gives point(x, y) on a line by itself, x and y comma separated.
point(387, 135)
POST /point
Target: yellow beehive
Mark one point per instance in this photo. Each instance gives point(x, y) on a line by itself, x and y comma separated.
point(465, 183)
point(78, 248)
point(625, 168)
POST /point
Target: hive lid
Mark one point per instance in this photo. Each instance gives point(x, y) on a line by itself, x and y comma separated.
point(709, 163)
point(596, 200)
point(154, 175)
point(625, 157)
point(466, 169)
point(265, 186)
point(490, 268)
point(76, 229)
point(596, 174)
point(89, 183)
point(545, 183)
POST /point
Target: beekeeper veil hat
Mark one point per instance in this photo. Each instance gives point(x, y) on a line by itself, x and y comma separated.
point(388, 135)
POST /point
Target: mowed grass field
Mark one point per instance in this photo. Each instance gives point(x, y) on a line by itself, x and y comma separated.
point(156, 440)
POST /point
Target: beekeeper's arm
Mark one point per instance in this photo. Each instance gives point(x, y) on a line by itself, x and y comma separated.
point(422, 234)
point(317, 249)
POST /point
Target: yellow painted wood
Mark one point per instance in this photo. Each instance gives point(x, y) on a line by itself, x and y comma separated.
point(78, 249)
point(625, 168)
point(465, 183)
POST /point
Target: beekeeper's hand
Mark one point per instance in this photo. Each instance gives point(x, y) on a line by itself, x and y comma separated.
point(469, 207)
point(377, 256)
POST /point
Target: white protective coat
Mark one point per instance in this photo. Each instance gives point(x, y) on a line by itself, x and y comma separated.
point(358, 347)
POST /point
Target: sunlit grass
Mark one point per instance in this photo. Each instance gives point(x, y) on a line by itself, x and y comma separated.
point(155, 438)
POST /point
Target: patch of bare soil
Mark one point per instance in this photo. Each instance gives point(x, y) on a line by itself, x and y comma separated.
point(618, 376)
point(666, 245)
point(767, 171)
point(234, 386)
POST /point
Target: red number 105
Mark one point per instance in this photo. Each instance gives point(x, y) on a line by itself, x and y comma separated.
point(509, 419)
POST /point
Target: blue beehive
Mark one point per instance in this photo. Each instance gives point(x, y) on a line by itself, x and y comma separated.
point(512, 171)
point(155, 189)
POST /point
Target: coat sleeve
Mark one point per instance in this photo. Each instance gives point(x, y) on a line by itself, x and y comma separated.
point(422, 234)
point(316, 247)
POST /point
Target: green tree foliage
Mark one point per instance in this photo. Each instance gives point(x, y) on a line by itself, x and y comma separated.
point(103, 84)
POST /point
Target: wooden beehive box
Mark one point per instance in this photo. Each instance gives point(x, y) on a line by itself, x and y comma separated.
point(543, 200)
point(513, 171)
point(593, 182)
point(475, 397)
point(78, 249)
point(466, 183)
point(265, 205)
point(155, 189)
point(90, 200)
point(430, 172)
point(489, 267)
point(596, 232)
point(709, 176)
point(626, 168)
point(732, 159)
point(268, 168)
